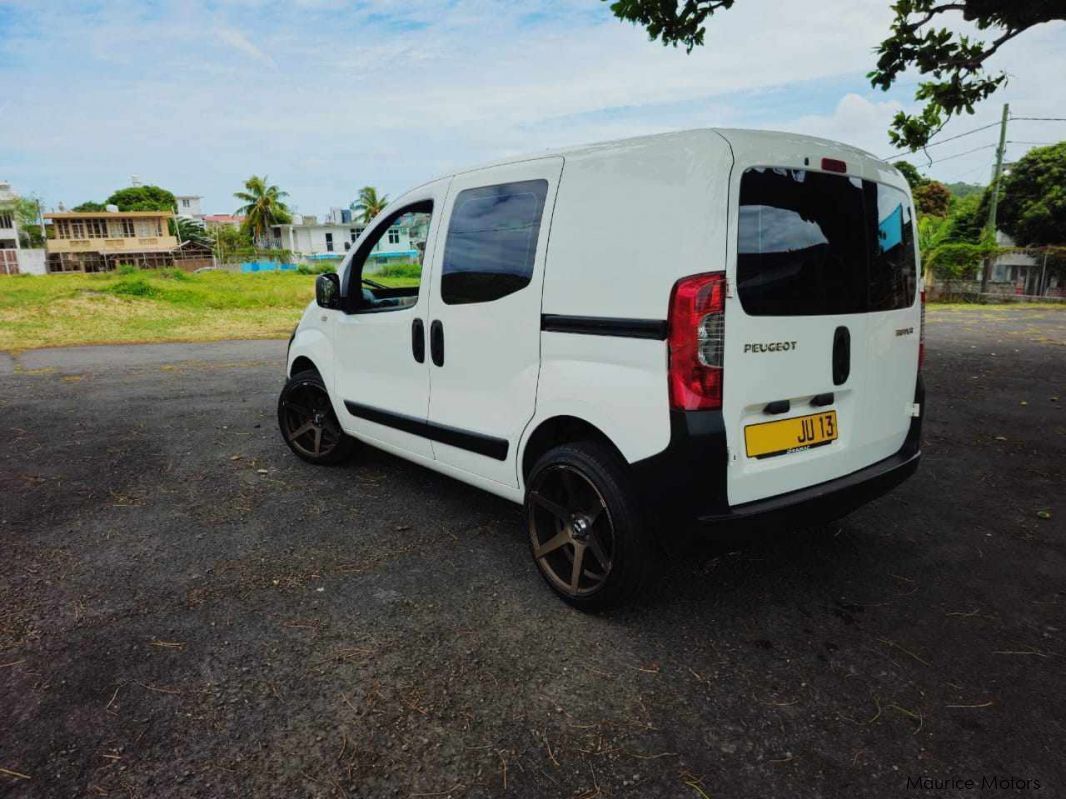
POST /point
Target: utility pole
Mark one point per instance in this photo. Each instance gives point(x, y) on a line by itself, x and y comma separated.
point(996, 173)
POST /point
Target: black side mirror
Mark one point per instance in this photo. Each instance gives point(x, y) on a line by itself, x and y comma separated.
point(328, 290)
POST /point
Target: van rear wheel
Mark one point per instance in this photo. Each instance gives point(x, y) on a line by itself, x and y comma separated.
point(308, 423)
point(587, 534)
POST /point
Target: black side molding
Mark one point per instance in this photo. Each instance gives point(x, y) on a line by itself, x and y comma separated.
point(489, 446)
point(604, 326)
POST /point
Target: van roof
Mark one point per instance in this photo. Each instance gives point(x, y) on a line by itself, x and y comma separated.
point(733, 136)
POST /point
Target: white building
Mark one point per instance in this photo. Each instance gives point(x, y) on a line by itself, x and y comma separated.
point(402, 242)
point(14, 258)
point(190, 205)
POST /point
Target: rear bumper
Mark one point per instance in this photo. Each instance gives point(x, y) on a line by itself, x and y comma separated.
point(684, 487)
point(821, 503)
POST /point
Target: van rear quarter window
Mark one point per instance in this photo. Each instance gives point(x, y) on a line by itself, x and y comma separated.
point(492, 241)
point(812, 243)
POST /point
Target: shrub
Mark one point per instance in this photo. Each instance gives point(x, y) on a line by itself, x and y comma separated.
point(173, 273)
point(400, 270)
point(127, 269)
point(135, 286)
point(316, 268)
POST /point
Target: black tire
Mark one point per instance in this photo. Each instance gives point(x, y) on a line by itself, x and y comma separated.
point(308, 423)
point(605, 505)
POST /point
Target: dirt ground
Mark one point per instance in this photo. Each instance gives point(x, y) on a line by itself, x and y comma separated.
point(187, 610)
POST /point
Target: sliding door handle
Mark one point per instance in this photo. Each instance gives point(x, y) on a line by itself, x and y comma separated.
point(418, 340)
point(436, 342)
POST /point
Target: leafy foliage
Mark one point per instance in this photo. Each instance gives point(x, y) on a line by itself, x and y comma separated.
point(189, 229)
point(89, 207)
point(1032, 209)
point(263, 206)
point(141, 198)
point(369, 203)
point(911, 173)
point(953, 61)
point(932, 198)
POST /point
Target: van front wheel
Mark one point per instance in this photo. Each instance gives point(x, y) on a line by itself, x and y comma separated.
point(308, 423)
point(586, 530)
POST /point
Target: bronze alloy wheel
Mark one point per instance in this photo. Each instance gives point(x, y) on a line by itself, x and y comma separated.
point(571, 531)
point(308, 421)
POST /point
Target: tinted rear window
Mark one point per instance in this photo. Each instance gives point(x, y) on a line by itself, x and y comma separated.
point(812, 243)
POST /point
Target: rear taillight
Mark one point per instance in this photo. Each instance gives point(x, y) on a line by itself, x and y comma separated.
point(921, 332)
point(697, 339)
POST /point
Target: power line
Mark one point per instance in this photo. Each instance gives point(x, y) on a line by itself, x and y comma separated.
point(943, 141)
point(975, 130)
point(959, 155)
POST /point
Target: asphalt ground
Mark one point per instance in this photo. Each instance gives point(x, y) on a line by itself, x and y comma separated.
point(187, 610)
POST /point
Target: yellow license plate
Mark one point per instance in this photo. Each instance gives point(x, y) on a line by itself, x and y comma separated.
point(790, 435)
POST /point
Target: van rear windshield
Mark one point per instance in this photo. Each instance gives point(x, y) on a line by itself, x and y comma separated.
point(813, 243)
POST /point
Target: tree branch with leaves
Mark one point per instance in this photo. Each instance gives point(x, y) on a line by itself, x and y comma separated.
point(954, 63)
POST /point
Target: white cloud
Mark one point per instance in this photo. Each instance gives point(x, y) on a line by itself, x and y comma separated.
point(325, 96)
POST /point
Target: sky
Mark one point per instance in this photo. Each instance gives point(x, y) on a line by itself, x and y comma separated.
point(327, 96)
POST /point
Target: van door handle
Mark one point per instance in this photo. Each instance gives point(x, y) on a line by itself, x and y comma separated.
point(436, 342)
point(841, 355)
point(418, 340)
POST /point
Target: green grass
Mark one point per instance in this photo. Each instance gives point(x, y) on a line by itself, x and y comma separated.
point(165, 305)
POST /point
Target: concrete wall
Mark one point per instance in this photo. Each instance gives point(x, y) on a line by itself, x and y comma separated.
point(31, 262)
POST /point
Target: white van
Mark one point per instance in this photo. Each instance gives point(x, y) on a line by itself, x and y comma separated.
point(707, 330)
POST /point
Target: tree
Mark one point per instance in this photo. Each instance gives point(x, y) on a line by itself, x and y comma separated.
point(955, 61)
point(142, 198)
point(188, 229)
point(932, 198)
point(89, 207)
point(27, 212)
point(369, 204)
point(911, 173)
point(969, 215)
point(263, 206)
point(1032, 208)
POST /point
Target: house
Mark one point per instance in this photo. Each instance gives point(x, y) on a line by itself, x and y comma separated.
point(15, 259)
point(1019, 268)
point(9, 234)
point(215, 221)
point(309, 238)
point(100, 242)
point(189, 205)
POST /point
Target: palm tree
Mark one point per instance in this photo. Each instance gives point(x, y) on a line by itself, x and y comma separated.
point(369, 203)
point(262, 207)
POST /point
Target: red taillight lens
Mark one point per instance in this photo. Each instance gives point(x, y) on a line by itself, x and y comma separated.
point(921, 332)
point(834, 165)
point(697, 340)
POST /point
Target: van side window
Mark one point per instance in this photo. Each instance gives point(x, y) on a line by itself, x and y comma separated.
point(492, 241)
point(391, 255)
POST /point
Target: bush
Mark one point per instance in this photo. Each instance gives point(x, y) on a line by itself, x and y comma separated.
point(316, 268)
point(400, 270)
point(173, 273)
point(135, 286)
point(127, 269)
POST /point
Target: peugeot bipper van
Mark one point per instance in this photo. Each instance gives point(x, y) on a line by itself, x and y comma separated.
point(708, 330)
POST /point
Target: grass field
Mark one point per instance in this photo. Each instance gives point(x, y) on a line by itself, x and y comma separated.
point(169, 305)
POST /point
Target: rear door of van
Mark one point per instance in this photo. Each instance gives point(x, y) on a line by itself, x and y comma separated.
point(822, 317)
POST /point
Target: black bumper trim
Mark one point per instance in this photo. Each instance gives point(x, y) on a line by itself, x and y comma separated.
point(823, 502)
point(684, 487)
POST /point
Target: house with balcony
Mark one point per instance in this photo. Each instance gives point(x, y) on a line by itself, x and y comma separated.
point(308, 238)
point(100, 242)
point(9, 233)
